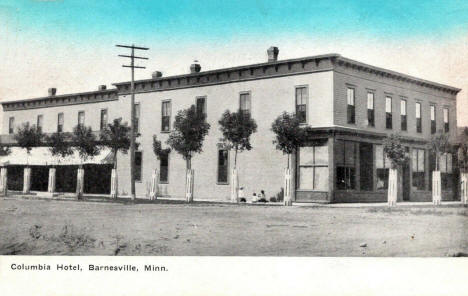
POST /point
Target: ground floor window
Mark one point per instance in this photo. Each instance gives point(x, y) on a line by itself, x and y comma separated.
point(164, 168)
point(223, 166)
point(366, 166)
point(417, 159)
point(313, 167)
point(446, 172)
point(138, 165)
point(382, 165)
point(345, 154)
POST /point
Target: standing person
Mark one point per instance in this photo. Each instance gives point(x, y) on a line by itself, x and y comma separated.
point(241, 195)
point(262, 196)
point(254, 197)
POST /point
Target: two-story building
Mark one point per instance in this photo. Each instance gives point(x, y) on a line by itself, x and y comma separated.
point(350, 106)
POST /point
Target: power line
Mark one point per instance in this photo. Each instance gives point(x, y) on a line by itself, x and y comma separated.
point(132, 108)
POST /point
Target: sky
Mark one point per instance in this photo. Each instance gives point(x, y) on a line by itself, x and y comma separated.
point(70, 44)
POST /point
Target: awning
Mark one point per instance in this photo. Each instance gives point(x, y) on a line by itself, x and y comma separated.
point(43, 156)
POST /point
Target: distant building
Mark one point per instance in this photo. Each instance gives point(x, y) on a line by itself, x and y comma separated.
point(351, 107)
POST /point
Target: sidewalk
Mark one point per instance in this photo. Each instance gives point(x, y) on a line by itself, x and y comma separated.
point(179, 200)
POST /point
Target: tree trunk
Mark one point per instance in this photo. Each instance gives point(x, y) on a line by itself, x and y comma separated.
point(27, 180)
point(436, 188)
point(3, 181)
point(80, 182)
point(464, 187)
point(52, 181)
point(392, 194)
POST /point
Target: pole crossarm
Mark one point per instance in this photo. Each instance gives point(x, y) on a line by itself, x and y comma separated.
point(139, 67)
point(132, 46)
point(135, 57)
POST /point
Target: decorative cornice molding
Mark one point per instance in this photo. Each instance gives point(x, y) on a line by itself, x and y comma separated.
point(62, 100)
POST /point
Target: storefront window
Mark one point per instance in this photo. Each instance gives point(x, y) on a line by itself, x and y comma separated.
point(417, 159)
point(382, 164)
point(446, 171)
point(313, 168)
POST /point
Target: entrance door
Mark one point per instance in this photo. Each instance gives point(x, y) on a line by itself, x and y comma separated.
point(406, 182)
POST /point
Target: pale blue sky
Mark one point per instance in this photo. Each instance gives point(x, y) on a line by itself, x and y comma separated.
point(69, 44)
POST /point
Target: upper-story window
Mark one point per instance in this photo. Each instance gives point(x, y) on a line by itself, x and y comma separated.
point(201, 105)
point(446, 120)
point(40, 122)
point(245, 104)
point(404, 122)
point(81, 118)
point(351, 112)
point(166, 116)
point(433, 119)
point(137, 117)
point(388, 113)
point(418, 118)
point(60, 121)
point(301, 103)
point(103, 122)
point(11, 125)
point(370, 109)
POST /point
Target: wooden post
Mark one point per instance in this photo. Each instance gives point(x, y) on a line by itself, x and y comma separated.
point(436, 190)
point(234, 186)
point(52, 175)
point(392, 187)
point(3, 181)
point(287, 187)
point(114, 184)
point(464, 188)
point(154, 185)
point(80, 183)
point(189, 185)
point(27, 180)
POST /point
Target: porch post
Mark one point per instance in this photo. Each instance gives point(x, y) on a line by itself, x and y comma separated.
point(464, 188)
point(114, 184)
point(3, 181)
point(331, 169)
point(27, 180)
point(234, 186)
point(52, 175)
point(436, 190)
point(189, 185)
point(154, 185)
point(392, 194)
point(79, 183)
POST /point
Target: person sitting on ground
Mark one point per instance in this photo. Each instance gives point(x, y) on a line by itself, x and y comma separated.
point(262, 196)
point(254, 197)
point(241, 195)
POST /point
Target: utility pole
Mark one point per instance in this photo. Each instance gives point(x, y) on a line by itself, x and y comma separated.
point(132, 109)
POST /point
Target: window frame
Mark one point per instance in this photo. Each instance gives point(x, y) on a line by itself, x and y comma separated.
point(137, 117)
point(160, 180)
point(346, 166)
point(62, 115)
point(101, 126)
point(11, 125)
point(433, 114)
point(227, 167)
point(371, 111)
point(41, 125)
point(84, 117)
point(249, 94)
point(418, 119)
point(446, 122)
point(404, 117)
point(418, 150)
point(351, 106)
point(306, 88)
point(313, 166)
point(141, 167)
point(167, 116)
point(388, 114)
point(205, 107)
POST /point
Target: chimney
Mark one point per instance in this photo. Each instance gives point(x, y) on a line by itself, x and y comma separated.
point(272, 54)
point(102, 87)
point(195, 67)
point(156, 74)
point(52, 91)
